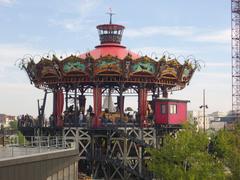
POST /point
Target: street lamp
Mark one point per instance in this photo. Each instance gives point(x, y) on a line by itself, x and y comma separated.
point(204, 106)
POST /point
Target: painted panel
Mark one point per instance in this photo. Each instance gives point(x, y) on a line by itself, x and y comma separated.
point(187, 73)
point(45, 69)
point(73, 66)
point(108, 65)
point(169, 69)
point(143, 66)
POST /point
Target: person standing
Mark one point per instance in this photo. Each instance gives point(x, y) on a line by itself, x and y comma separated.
point(80, 118)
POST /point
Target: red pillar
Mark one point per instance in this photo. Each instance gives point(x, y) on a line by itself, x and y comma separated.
point(120, 101)
point(97, 103)
point(142, 105)
point(58, 101)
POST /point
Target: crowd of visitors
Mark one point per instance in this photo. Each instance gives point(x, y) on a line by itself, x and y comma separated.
point(26, 121)
point(76, 118)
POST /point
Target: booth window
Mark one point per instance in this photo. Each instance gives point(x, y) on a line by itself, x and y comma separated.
point(173, 108)
point(163, 108)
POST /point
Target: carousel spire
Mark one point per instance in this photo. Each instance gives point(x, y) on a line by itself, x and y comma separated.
point(110, 15)
point(110, 33)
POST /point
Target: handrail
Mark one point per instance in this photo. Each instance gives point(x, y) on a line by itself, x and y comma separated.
point(35, 144)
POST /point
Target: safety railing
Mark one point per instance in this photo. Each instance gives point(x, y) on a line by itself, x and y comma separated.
point(34, 144)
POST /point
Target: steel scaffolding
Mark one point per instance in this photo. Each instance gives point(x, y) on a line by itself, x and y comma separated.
point(114, 153)
point(235, 6)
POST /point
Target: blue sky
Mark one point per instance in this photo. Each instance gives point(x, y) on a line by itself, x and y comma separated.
point(186, 27)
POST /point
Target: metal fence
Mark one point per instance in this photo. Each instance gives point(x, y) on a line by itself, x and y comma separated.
point(33, 145)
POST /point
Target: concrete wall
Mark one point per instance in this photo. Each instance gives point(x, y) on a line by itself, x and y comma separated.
point(42, 166)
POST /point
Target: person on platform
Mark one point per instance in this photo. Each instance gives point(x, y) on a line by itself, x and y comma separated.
point(51, 120)
point(80, 118)
point(90, 109)
point(88, 119)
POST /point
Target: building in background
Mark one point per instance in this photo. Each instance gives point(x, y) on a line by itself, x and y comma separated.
point(6, 119)
point(214, 121)
point(196, 117)
point(219, 120)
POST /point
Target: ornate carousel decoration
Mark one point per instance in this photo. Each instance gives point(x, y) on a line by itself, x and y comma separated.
point(109, 66)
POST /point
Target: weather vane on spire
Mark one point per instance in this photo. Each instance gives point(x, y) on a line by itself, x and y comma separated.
point(110, 14)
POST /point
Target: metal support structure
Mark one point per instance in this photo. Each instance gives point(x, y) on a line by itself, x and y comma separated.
point(236, 58)
point(121, 103)
point(75, 103)
point(42, 109)
point(66, 99)
point(116, 153)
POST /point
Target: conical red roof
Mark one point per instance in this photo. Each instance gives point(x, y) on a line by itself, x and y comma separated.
point(110, 49)
point(110, 36)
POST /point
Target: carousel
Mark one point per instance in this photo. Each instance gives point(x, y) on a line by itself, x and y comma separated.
point(108, 72)
point(109, 69)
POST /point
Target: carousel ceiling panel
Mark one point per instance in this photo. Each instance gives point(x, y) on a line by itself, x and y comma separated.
point(110, 69)
point(73, 65)
point(143, 66)
point(45, 69)
point(108, 66)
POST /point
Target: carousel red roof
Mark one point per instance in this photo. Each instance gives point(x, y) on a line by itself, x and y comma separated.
point(110, 36)
point(112, 49)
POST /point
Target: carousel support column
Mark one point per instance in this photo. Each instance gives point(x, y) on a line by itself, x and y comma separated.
point(164, 92)
point(121, 103)
point(140, 156)
point(158, 92)
point(75, 106)
point(82, 103)
point(53, 123)
point(142, 105)
point(125, 154)
point(66, 99)
point(154, 97)
point(97, 102)
point(154, 93)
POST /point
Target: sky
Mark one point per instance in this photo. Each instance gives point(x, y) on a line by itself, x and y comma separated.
point(184, 28)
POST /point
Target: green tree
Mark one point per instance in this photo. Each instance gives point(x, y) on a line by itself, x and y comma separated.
point(13, 125)
point(226, 147)
point(185, 156)
point(21, 138)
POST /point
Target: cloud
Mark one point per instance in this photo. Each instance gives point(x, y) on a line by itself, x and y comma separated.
point(77, 20)
point(9, 55)
point(221, 36)
point(160, 30)
point(72, 25)
point(13, 95)
point(215, 76)
point(217, 64)
point(188, 33)
point(157, 51)
point(86, 6)
point(7, 2)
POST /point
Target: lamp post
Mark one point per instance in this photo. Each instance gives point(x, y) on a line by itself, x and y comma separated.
point(204, 106)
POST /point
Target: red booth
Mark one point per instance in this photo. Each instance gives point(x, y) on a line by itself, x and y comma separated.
point(170, 111)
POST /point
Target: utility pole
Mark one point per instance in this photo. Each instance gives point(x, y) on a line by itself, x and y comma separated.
point(204, 106)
